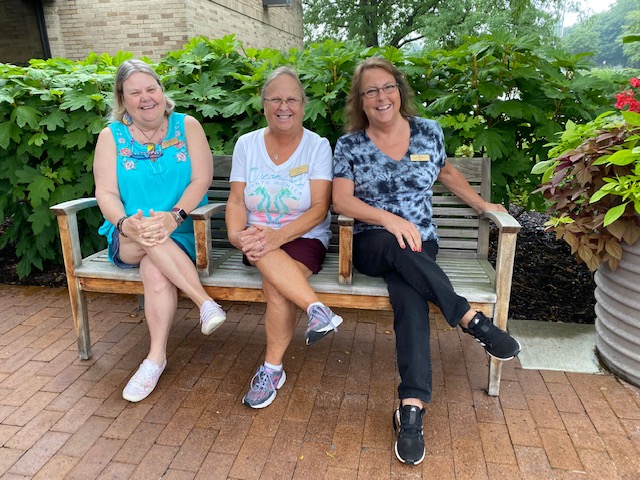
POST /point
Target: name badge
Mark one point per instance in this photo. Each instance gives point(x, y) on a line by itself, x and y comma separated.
point(294, 172)
point(421, 158)
point(170, 142)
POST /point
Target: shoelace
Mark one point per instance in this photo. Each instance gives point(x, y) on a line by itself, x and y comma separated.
point(265, 379)
point(411, 430)
point(208, 312)
point(326, 313)
point(145, 378)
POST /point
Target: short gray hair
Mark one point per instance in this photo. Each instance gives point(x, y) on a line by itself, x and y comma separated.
point(125, 70)
point(279, 72)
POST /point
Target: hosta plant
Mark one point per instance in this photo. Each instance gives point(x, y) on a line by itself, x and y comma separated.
point(592, 183)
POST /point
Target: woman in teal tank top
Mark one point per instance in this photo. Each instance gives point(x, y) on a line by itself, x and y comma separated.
point(151, 167)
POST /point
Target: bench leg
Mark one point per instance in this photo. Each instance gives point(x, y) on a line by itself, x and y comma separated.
point(80, 315)
point(495, 371)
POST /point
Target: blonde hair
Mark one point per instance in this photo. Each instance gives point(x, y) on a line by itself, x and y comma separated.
point(125, 70)
point(355, 118)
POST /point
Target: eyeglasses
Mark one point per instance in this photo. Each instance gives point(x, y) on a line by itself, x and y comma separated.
point(373, 91)
point(290, 101)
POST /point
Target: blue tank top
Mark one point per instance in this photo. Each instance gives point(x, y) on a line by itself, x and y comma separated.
point(154, 183)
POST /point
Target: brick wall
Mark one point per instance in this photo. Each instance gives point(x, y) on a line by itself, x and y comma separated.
point(19, 33)
point(155, 27)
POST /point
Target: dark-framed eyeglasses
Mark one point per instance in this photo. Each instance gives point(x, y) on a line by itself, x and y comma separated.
point(388, 89)
point(277, 101)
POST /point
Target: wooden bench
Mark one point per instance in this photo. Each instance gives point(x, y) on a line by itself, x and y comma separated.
point(464, 247)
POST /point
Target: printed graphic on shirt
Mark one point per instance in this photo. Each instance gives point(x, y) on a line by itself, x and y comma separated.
point(275, 199)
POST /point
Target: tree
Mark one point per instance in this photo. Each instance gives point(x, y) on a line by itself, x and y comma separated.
point(431, 23)
point(631, 37)
point(601, 34)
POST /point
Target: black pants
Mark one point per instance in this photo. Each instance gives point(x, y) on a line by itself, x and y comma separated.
point(413, 279)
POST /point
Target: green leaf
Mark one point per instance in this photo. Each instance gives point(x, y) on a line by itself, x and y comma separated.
point(38, 139)
point(40, 189)
point(25, 115)
point(40, 218)
point(542, 167)
point(77, 138)
point(614, 213)
point(8, 131)
point(632, 118)
point(622, 158)
point(55, 119)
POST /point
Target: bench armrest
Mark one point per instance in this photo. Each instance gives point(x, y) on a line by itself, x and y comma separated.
point(202, 232)
point(508, 228)
point(67, 215)
point(345, 249)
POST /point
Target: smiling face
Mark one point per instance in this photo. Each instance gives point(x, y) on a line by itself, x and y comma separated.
point(384, 107)
point(143, 99)
point(283, 115)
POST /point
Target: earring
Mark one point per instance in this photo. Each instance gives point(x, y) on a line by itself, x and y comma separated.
point(126, 119)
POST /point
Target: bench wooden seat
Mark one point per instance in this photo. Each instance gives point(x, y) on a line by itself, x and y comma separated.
point(464, 247)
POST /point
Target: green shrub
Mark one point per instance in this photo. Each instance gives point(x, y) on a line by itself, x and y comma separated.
point(501, 97)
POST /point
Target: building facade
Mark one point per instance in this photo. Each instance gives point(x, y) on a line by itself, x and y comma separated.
point(74, 28)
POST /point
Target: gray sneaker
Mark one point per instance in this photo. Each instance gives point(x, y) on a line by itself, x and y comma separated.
point(321, 321)
point(263, 387)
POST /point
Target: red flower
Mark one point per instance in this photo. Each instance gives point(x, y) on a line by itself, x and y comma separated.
point(627, 98)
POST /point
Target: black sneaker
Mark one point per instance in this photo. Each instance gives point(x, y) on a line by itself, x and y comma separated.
point(407, 422)
point(498, 343)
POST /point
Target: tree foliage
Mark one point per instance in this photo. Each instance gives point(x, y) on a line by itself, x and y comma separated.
point(430, 23)
point(496, 95)
point(601, 35)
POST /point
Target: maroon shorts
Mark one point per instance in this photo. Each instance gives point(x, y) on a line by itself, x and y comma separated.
point(308, 251)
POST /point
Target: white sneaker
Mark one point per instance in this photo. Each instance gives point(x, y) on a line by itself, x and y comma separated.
point(144, 381)
point(211, 316)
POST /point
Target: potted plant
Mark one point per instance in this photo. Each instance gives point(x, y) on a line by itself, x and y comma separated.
point(592, 186)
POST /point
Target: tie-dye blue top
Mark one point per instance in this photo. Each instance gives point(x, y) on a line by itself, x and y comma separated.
point(401, 187)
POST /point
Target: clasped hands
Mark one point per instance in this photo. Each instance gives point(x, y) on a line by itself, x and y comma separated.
point(152, 230)
point(255, 241)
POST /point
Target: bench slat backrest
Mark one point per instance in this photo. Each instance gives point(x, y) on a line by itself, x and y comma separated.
point(460, 229)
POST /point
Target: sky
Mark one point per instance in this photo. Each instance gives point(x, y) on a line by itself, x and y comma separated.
point(596, 6)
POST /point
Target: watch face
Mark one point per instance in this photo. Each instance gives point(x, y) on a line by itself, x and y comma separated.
point(181, 212)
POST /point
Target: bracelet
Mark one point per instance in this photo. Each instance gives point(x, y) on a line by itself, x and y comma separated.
point(119, 225)
point(176, 216)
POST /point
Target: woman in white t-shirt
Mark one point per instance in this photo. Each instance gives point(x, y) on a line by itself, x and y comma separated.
point(278, 215)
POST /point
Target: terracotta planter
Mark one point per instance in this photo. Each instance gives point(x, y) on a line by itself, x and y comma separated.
point(618, 315)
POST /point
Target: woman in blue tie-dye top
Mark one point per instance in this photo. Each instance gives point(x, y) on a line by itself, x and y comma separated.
point(384, 169)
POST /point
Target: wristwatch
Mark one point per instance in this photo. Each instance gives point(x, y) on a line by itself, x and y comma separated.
point(179, 214)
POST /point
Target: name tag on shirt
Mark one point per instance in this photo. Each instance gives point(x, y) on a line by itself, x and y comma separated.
point(170, 142)
point(294, 172)
point(421, 158)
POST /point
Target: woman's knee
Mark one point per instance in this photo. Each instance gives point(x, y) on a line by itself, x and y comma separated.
point(152, 278)
point(272, 294)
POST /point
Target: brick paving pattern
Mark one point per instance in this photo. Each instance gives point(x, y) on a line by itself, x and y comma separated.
point(63, 418)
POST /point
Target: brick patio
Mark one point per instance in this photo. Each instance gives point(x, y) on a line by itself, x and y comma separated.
point(61, 417)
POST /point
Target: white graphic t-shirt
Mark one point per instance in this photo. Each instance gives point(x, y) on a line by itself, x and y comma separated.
point(275, 195)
